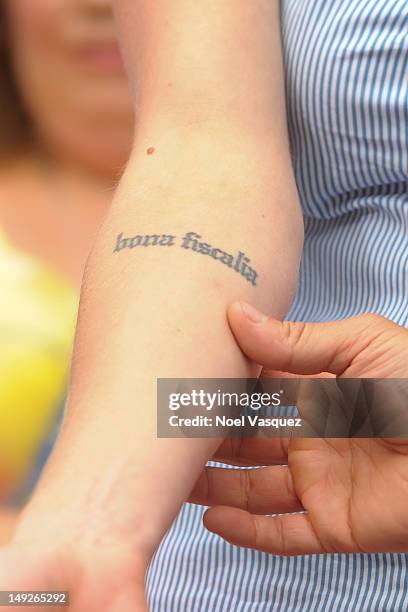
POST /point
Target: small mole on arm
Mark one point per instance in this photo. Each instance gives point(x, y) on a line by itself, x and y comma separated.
point(150, 150)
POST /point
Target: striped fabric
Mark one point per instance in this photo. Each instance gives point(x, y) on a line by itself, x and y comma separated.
point(346, 67)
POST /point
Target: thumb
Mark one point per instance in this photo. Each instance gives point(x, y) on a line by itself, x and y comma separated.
point(304, 348)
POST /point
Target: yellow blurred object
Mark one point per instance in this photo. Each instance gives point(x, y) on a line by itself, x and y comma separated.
point(37, 321)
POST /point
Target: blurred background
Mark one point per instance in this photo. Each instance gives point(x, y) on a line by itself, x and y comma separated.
point(66, 123)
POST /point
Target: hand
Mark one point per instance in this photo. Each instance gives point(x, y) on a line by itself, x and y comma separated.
point(101, 580)
point(349, 495)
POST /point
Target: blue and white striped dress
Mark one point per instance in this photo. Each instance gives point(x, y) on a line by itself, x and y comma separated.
point(346, 65)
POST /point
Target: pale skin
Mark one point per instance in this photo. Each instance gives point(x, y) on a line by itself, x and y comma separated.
point(352, 492)
point(112, 489)
point(95, 521)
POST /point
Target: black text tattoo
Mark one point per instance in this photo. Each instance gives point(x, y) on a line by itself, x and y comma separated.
point(191, 241)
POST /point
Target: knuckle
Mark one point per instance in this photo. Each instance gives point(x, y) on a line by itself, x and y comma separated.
point(288, 483)
point(245, 488)
point(280, 532)
point(293, 331)
point(296, 334)
point(375, 320)
point(371, 328)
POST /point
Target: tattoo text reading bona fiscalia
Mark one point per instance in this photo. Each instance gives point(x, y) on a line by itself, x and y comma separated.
point(239, 263)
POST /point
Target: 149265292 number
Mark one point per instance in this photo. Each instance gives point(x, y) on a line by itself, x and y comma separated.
point(34, 598)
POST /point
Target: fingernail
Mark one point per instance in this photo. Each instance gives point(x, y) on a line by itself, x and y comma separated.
point(252, 313)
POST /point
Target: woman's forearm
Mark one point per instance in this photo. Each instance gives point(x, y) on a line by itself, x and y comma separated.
point(159, 311)
point(151, 309)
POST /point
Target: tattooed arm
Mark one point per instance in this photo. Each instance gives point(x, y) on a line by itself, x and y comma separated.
point(206, 213)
